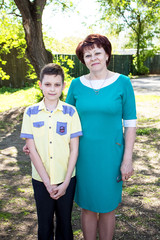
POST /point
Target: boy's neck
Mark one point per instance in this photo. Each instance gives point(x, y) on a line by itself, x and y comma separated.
point(51, 105)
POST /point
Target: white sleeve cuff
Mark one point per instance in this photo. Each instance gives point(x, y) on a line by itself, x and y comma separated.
point(129, 123)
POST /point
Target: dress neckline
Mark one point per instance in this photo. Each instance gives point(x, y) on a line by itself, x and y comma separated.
point(96, 84)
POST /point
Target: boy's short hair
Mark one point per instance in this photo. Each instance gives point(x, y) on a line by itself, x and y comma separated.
point(52, 69)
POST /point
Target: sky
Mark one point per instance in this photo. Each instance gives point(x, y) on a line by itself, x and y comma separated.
point(60, 25)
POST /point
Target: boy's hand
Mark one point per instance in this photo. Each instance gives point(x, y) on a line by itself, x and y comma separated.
point(59, 191)
point(51, 188)
point(26, 149)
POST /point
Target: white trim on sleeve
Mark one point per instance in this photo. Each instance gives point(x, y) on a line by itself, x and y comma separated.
point(129, 123)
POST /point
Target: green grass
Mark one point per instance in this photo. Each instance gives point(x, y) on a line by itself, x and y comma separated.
point(147, 131)
point(10, 98)
point(131, 190)
point(5, 216)
point(13, 97)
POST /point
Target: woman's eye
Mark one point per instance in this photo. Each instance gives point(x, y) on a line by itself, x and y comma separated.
point(98, 53)
point(57, 85)
point(87, 56)
point(47, 84)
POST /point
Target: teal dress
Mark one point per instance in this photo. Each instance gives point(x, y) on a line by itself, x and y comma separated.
point(102, 144)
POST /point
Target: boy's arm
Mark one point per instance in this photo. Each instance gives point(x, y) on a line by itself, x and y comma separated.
point(37, 162)
point(61, 189)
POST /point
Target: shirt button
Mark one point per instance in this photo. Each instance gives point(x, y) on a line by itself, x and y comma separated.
point(50, 127)
point(50, 142)
point(50, 157)
point(49, 116)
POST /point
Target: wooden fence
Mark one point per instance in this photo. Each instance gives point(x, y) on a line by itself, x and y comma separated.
point(17, 68)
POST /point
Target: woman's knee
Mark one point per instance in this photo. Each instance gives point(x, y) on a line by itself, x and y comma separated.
point(107, 215)
point(88, 212)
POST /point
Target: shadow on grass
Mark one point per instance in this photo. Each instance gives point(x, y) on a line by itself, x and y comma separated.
point(136, 218)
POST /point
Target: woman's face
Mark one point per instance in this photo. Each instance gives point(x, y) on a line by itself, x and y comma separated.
point(95, 58)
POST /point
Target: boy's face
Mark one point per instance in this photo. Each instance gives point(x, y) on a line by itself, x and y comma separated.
point(52, 87)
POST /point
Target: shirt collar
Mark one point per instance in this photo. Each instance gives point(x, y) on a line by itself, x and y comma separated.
point(43, 107)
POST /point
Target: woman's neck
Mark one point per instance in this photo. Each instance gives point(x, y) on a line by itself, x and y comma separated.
point(99, 75)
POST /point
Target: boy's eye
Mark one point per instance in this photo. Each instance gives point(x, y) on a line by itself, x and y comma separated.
point(57, 85)
point(97, 53)
point(47, 84)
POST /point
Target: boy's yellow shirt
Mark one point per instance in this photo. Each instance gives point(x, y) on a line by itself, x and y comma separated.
point(51, 133)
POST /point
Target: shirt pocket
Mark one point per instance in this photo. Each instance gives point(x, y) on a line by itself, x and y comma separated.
point(38, 128)
point(61, 128)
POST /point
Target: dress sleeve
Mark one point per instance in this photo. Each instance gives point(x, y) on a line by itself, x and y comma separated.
point(129, 104)
point(129, 123)
point(70, 95)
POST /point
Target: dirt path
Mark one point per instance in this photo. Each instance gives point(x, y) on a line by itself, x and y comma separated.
point(138, 217)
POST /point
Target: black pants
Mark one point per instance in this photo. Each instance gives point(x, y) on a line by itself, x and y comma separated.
point(47, 207)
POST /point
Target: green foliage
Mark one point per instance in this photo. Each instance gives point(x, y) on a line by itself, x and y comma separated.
point(66, 64)
point(140, 67)
point(140, 18)
point(139, 60)
point(12, 36)
point(31, 74)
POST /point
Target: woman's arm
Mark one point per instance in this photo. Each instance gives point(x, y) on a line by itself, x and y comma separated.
point(61, 189)
point(127, 166)
point(37, 162)
point(25, 149)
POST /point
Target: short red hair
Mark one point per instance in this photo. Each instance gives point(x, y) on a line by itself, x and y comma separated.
point(90, 41)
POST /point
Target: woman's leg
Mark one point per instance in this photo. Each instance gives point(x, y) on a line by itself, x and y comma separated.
point(106, 225)
point(89, 224)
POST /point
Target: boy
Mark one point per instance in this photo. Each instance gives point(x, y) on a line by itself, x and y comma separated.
point(52, 129)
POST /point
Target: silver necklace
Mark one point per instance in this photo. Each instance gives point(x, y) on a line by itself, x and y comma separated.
point(97, 90)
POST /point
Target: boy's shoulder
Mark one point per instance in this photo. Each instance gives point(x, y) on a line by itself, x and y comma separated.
point(68, 108)
point(33, 109)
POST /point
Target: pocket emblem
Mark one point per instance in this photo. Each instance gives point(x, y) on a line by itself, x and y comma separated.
point(61, 128)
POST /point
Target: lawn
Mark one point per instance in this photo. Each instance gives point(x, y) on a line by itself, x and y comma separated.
point(137, 217)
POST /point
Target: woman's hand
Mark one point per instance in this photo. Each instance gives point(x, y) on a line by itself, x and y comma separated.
point(26, 149)
point(127, 166)
point(126, 169)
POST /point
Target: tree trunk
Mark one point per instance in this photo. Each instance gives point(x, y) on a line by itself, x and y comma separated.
point(32, 22)
point(138, 43)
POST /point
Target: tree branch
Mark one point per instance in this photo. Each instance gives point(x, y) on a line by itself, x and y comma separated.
point(125, 19)
point(1, 5)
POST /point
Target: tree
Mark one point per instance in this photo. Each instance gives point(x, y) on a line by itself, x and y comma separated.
point(12, 36)
point(31, 13)
point(140, 17)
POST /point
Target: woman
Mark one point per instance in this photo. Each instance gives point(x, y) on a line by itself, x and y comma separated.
point(103, 99)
